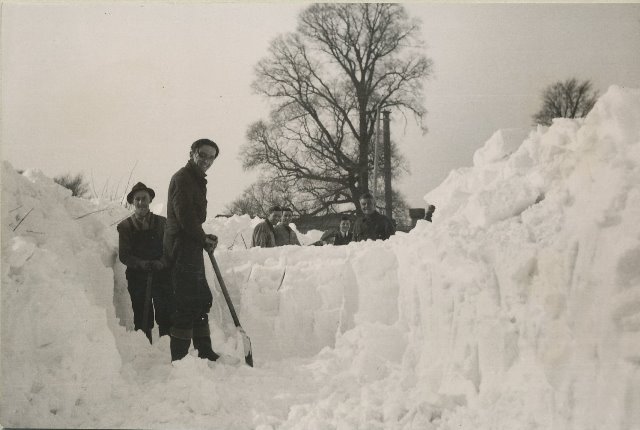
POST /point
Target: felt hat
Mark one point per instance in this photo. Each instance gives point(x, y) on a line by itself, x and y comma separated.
point(139, 187)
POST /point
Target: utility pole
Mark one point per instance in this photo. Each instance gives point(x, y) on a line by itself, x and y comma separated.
point(387, 164)
point(375, 155)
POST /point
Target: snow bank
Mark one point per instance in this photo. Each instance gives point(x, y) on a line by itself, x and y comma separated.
point(518, 307)
point(499, 146)
point(58, 352)
point(236, 231)
point(538, 331)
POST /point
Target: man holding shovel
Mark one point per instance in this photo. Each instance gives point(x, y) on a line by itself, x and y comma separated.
point(184, 241)
point(140, 249)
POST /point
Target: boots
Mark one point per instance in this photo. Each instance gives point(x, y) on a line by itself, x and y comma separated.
point(179, 348)
point(203, 345)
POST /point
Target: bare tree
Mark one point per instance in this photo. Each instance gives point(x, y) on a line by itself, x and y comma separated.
point(568, 99)
point(77, 184)
point(327, 81)
point(301, 198)
point(259, 197)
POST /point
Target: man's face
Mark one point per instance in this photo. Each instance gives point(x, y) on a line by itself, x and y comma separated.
point(345, 225)
point(367, 206)
point(141, 200)
point(274, 217)
point(286, 217)
point(203, 157)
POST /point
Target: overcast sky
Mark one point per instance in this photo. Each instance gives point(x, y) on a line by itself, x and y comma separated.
point(94, 87)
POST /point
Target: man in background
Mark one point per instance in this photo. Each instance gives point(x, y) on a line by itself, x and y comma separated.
point(284, 235)
point(344, 235)
point(430, 210)
point(372, 225)
point(264, 233)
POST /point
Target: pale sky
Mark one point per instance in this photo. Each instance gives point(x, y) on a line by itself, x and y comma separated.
point(93, 88)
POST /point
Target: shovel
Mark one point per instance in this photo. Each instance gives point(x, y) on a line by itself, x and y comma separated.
point(248, 356)
point(147, 307)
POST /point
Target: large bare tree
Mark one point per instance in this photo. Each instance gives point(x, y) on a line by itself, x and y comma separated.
point(568, 99)
point(326, 82)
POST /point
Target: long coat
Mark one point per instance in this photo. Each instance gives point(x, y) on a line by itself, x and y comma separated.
point(184, 241)
point(184, 238)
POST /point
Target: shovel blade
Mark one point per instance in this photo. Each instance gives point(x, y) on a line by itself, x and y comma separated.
point(246, 343)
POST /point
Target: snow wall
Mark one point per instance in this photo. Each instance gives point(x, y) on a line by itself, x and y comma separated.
point(518, 307)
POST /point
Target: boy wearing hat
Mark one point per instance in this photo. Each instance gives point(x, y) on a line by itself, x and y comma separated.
point(140, 249)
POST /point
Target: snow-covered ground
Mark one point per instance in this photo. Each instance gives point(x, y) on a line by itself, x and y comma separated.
point(517, 308)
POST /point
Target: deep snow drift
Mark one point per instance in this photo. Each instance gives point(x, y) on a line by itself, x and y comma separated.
point(517, 308)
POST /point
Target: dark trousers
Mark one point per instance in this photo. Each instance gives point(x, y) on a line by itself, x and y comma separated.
point(192, 301)
point(160, 306)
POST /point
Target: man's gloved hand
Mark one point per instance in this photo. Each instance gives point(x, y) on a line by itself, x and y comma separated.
point(145, 265)
point(210, 242)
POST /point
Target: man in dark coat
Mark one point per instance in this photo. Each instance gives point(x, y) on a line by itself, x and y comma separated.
point(184, 242)
point(372, 225)
point(264, 234)
point(283, 234)
point(140, 249)
point(344, 236)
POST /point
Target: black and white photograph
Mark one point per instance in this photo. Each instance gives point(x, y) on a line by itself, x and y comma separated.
point(320, 216)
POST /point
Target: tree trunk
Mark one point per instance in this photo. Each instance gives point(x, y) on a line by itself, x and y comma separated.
point(355, 192)
point(363, 162)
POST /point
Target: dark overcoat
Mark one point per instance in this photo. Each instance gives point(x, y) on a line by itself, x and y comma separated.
point(375, 227)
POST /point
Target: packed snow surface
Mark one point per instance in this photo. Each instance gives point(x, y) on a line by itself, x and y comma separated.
point(517, 308)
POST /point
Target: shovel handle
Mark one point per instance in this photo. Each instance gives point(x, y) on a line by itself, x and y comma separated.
point(147, 306)
point(248, 354)
point(223, 287)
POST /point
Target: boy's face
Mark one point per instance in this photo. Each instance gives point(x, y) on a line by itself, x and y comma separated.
point(275, 217)
point(345, 225)
point(286, 217)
